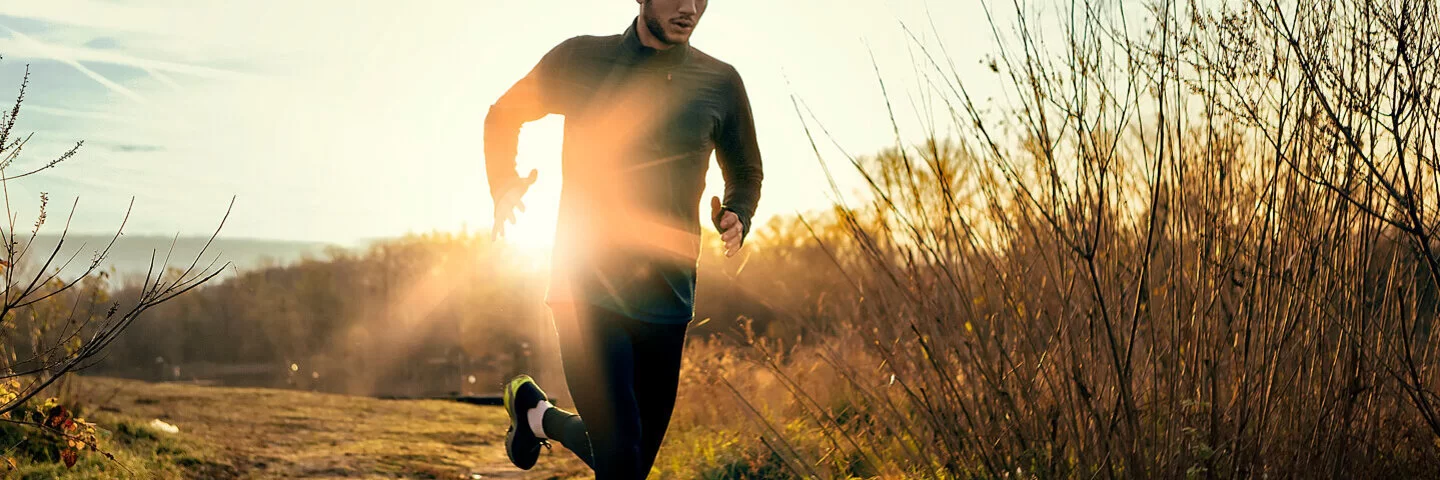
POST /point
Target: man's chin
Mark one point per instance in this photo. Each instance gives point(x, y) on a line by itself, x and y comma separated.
point(677, 38)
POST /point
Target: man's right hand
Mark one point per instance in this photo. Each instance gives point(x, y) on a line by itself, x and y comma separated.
point(507, 203)
point(728, 224)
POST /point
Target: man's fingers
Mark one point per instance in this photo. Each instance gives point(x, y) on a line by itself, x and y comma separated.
point(716, 210)
point(509, 202)
point(515, 194)
point(731, 237)
point(729, 220)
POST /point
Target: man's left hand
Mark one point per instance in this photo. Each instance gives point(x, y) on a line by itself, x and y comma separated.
point(728, 223)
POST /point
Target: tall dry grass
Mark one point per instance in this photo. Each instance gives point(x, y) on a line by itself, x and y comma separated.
point(1197, 242)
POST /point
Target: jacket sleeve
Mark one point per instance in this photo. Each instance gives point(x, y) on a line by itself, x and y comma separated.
point(532, 98)
point(738, 154)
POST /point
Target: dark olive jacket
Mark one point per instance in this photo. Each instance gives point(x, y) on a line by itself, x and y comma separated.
point(640, 127)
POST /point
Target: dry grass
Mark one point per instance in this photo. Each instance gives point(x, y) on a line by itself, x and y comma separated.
point(263, 433)
point(1202, 248)
point(1195, 243)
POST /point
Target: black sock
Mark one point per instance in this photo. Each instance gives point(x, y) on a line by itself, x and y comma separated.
point(569, 430)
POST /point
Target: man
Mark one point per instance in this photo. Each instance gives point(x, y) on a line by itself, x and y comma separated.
point(644, 111)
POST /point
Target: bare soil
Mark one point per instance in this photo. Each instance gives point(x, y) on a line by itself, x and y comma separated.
point(266, 433)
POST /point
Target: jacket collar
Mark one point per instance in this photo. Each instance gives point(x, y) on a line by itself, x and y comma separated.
point(631, 45)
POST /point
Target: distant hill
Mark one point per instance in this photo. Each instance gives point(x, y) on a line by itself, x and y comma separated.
point(131, 254)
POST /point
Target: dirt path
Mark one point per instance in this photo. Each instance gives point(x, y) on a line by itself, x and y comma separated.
point(266, 433)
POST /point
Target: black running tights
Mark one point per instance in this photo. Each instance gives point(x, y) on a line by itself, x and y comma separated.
point(622, 375)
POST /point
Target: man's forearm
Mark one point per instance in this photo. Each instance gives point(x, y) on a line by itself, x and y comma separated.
point(742, 194)
point(739, 155)
point(501, 137)
point(525, 101)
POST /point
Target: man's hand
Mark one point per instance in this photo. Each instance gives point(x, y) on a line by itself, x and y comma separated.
point(728, 224)
point(507, 203)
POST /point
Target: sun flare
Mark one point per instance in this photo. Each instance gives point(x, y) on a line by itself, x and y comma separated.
point(533, 232)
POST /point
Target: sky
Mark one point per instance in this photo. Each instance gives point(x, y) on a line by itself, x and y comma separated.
point(347, 120)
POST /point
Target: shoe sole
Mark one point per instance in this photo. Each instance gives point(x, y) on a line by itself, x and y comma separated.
point(508, 398)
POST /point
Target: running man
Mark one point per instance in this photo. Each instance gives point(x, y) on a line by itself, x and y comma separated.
point(643, 112)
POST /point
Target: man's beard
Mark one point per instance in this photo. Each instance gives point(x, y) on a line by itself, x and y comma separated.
point(656, 28)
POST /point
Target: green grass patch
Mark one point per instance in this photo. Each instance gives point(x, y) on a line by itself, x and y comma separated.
point(139, 452)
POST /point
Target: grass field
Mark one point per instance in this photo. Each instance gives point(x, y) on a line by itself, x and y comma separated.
point(259, 433)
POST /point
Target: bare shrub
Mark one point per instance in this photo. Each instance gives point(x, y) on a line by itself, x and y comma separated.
point(1197, 242)
point(54, 324)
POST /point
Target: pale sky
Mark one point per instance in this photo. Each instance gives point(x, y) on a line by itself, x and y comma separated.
point(346, 120)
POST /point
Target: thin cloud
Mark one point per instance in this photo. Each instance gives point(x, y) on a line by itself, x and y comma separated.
point(45, 51)
point(129, 148)
point(72, 113)
point(86, 13)
point(102, 43)
point(163, 78)
point(83, 54)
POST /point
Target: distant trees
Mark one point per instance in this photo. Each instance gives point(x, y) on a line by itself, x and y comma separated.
point(377, 320)
point(421, 314)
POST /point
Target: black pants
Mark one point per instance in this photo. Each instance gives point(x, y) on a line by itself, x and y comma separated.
point(622, 375)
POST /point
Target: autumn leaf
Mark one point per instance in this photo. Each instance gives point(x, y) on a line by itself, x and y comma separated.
point(57, 417)
point(68, 455)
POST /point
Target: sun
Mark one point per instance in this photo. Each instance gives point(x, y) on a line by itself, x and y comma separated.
point(533, 232)
point(531, 236)
point(539, 148)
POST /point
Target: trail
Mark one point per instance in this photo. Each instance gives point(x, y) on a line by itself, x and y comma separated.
point(266, 433)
